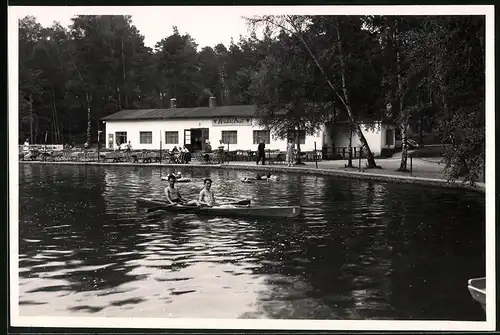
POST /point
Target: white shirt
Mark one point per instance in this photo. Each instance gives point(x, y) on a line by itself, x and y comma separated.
point(26, 146)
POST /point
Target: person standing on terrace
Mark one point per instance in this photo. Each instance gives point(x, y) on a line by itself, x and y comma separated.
point(221, 150)
point(289, 152)
point(261, 153)
point(26, 146)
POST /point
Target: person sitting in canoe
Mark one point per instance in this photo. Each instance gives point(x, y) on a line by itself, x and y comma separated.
point(173, 195)
point(272, 177)
point(250, 179)
point(181, 179)
point(207, 197)
point(268, 176)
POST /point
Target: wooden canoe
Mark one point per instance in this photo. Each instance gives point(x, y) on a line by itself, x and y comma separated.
point(180, 180)
point(256, 211)
point(156, 202)
point(477, 289)
point(253, 179)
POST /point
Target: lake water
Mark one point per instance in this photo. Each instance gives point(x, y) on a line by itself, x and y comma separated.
point(359, 250)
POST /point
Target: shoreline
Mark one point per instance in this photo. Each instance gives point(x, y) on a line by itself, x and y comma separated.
point(480, 187)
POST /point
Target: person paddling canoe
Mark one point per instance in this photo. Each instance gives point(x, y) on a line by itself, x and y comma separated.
point(174, 197)
point(258, 176)
point(267, 176)
point(272, 177)
point(207, 197)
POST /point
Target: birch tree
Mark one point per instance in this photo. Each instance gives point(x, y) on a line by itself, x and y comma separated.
point(295, 25)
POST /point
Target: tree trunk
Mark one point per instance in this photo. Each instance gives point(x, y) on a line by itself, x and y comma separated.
point(35, 139)
point(58, 127)
point(56, 135)
point(369, 155)
point(403, 115)
point(223, 90)
point(298, 160)
point(124, 75)
point(97, 130)
point(52, 107)
point(421, 130)
point(31, 120)
point(53, 123)
point(344, 98)
point(349, 154)
point(88, 97)
point(443, 89)
point(119, 99)
point(404, 151)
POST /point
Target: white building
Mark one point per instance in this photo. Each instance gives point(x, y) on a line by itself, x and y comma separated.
point(379, 136)
point(237, 126)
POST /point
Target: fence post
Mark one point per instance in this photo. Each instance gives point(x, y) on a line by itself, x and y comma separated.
point(360, 154)
point(98, 147)
point(160, 151)
point(411, 165)
point(45, 153)
point(315, 158)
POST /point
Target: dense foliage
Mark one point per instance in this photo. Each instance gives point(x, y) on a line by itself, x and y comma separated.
point(423, 74)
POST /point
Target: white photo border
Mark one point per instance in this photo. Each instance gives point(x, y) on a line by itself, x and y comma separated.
point(15, 13)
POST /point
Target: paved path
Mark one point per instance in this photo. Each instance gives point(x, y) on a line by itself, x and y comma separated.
point(428, 171)
point(426, 168)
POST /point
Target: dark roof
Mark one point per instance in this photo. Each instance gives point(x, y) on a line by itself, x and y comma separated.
point(182, 113)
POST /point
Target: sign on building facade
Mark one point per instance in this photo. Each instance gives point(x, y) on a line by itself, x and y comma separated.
point(231, 121)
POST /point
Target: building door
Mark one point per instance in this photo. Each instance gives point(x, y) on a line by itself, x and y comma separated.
point(187, 139)
point(204, 138)
point(195, 134)
point(111, 141)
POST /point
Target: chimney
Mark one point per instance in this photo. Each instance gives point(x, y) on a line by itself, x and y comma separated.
point(211, 102)
point(173, 103)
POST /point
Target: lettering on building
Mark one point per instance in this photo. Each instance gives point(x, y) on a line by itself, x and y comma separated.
point(231, 121)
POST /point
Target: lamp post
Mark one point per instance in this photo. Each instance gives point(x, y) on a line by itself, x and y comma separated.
point(99, 146)
point(45, 149)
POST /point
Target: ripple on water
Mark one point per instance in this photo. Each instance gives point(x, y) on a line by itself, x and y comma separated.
point(359, 250)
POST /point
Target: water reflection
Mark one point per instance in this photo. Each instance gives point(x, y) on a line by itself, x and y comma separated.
point(361, 250)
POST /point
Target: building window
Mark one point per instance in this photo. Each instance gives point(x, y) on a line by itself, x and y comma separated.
point(146, 137)
point(389, 137)
point(171, 137)
point(230, 136)
point(259, 135)
point(121, 137)
point(302, 134)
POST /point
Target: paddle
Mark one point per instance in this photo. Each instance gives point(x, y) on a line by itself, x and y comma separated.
point(160, 207)
point(239, 202)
